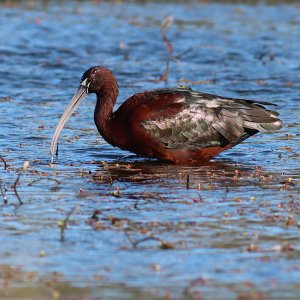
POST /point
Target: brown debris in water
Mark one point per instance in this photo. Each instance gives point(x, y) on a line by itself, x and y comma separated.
point(4, 162)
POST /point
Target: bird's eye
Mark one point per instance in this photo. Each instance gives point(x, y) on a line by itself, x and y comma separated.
point(85, 83)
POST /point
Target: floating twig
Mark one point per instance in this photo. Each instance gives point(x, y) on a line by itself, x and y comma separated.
point(39, 179)
point(4, 162)
point(62, 224)
point(134, 243)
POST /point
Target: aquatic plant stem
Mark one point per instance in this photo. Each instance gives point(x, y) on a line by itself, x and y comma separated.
point(167, 22)
point(15, 189)
point(63, 223)
point(187, 181)
point(24, 168)
point(4, 162)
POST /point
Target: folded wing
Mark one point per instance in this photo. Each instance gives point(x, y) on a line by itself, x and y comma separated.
point(207, 121)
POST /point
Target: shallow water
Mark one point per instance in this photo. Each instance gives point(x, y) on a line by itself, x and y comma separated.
point(230, 231)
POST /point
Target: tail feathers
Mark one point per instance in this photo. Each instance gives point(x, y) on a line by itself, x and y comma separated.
point(263, 126)
point(236, 126)
point(263, 120)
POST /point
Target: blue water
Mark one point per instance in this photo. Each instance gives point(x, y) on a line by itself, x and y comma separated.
point(245, 196)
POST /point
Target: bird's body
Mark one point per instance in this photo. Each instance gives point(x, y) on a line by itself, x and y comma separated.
point(178, 125)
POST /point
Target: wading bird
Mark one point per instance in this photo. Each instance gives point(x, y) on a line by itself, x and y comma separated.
point(178, 125)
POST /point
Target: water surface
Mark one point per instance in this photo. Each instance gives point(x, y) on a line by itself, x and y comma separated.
point(138, 229)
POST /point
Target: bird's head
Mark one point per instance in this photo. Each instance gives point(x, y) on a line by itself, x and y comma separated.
point(90, 83)
point(90, 80)
point(93, 80)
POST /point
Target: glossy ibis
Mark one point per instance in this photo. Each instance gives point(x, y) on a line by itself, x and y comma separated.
point(178, 125)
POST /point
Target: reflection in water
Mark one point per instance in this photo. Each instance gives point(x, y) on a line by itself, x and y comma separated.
point(215, 174)
point(152, 170)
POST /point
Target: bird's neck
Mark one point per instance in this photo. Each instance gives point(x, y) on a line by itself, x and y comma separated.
point(103, 114)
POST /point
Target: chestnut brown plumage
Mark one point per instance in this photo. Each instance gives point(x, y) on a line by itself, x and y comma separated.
point(178, 125)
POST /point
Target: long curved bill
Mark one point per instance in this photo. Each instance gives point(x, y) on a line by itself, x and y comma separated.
point(75, 101)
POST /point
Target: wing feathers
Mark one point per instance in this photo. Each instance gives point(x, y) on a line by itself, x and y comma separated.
point(207, 120)
point(230, 136)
